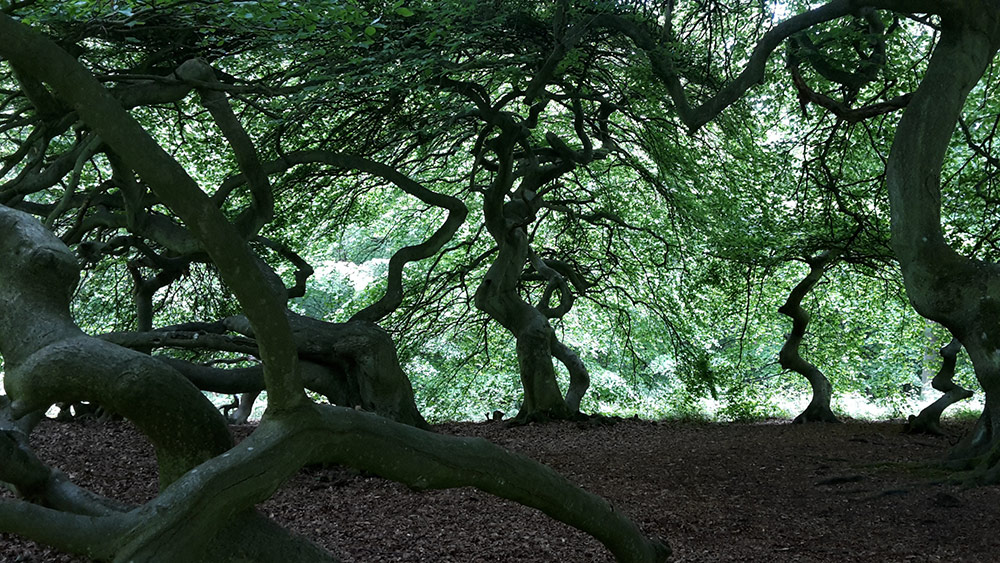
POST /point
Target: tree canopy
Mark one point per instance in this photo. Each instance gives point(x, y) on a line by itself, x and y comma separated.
point(377, 212)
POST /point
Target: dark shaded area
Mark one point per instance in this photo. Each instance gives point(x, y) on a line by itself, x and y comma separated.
point(737, 492)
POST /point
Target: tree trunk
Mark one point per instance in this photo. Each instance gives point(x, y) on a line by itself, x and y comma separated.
point(49, 360)
point(579, 377)
point(497, 296)
point(980, 448)
point(175, 525)
point(789, 357)
point(353, 364)
point(184, 520)
point(960, 293)
point(931, 351)
point(929, 419)
point(245, 407)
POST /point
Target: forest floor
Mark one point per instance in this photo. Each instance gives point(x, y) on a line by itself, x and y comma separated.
point(764, 492)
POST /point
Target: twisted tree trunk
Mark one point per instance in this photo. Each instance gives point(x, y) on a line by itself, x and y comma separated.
point(211, 504)
point(961, 293)
point(789, 357)
point(352, 364)
point(928, 421)
point(52, 361)
point(497, 295)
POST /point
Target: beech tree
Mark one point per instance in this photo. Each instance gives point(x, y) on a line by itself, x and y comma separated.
point(928, 421)
point(959, 292)
point(540, 118)
point(208, 488)
point(487, 114)
point(955, 290)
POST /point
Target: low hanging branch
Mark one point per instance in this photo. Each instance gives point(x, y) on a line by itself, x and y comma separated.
point(36, 482)
point(168, 180)
point(789, 357)
point(929, 419)
point(351, 364)
point(194, 340)
point(302, 268)
point(457, 212)
point(188, 514)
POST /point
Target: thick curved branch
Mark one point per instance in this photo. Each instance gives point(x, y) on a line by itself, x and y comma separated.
point(143, 290)
point(546, 72)
point(180, 422)
point(30, 180)
point(92, 536)
point(802, 46)
point(694, 117)
point(579, 376)
point(302, 268)
point(555, 281)
point(189, 512)
point(45, 103)
point(457, 212)
point(232, 381)
point(38, 483)
point(48, 359)
point(192, 340)
point(841, 109)
point(120, 131)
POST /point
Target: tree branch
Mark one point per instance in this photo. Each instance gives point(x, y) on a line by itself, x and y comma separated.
point(237, 265)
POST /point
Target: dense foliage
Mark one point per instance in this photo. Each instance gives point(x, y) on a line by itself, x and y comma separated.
point(686, 245)
point(438, 210)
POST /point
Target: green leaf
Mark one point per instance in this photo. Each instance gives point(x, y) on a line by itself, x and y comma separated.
point(369, 31)
point(405, 12)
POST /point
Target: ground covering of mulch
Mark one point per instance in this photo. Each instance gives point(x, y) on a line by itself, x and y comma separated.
point(766, 492)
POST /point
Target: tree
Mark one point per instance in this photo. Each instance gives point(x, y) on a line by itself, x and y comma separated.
point(535, 134)
point(204, 511)
point(514, 114)
point(957, 291)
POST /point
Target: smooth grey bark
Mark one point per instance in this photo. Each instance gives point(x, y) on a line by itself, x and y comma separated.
point(239, 268)
point(184, 517)
point(497, 295)
point(193, 519)
point(508, 211)
point(29, 478)
point(23, 424)
point(353, 364)
point(245, 407)
point(261, 210)
point(49, 360)
point(189, 514)
point(818, 409)
point(928, 421)
point(962, 294)
point(579, 376)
